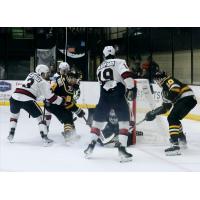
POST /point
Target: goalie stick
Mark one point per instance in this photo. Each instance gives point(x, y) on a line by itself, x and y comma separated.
point(106, 140)
point(101, 137)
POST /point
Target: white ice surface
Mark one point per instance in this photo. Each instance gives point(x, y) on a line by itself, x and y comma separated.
point(28, 154)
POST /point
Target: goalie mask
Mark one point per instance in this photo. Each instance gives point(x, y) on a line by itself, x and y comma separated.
point(112, 117)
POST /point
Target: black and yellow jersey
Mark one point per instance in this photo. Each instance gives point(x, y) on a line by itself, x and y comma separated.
point(61, 87)
point(174, 90)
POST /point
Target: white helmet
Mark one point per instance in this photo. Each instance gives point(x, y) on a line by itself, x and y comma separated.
point(108, 50)
point(42, 69)
point(64, 66)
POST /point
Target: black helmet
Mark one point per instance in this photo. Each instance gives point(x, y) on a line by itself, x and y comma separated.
point(72, 76)
point(73, 73)
point(160, 76)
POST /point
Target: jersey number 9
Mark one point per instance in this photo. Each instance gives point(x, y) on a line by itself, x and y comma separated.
point(105, 75)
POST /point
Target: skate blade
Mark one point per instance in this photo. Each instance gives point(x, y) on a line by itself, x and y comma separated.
point(175, 153)
point(124, 160)
point(47, 144)
point(72, 139)
point(183, 146)
point(69, 142)
point(87, 156)
point(10, 139)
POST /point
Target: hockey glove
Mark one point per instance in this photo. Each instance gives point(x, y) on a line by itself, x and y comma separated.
point(77, 94)
point(80, 113)
point(150, 116)
point(63, 103)
point(46, 103)
point(76, 87)
point(131, 94)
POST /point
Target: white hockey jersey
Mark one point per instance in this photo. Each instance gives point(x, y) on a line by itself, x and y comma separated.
point(35, 87)
point(113, 71)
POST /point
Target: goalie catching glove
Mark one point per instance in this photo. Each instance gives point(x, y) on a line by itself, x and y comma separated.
point(131, 94)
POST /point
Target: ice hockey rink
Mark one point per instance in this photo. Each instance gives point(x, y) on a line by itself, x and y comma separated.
point(28, 154)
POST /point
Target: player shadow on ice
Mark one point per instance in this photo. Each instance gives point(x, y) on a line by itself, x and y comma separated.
point(33, 143)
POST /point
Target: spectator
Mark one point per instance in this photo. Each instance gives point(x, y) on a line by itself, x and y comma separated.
point(136, 68)
point(149, 67)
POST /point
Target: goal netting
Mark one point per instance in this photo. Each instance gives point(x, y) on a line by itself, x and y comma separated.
point(156, 131)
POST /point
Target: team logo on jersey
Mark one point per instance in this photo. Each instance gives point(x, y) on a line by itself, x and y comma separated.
point(4, 86)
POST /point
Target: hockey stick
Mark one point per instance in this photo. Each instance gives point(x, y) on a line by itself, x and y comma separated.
point(140, 121)
point(86, 121)
point(44, 112)
point(74, 119)
point(106, 140)
point(101, 137)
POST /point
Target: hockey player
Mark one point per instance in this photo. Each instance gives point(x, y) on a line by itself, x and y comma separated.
point(25, 97)
point(109, 135)
point(63, 68)
point(115, 80)
point(66, 86)
point(182, 98)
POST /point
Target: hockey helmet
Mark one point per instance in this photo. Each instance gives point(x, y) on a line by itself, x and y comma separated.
point(72, 76)
point(160, 76)
point(108, 51)
point(112, 117)
point(42, 69)
point(63, 67)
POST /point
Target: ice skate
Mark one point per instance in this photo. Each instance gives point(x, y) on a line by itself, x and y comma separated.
point(70, 136)
point(11, 135)
point(174, 150)
point(46, 141)
point(182, 141)
point(90, 149)
point(124, 155)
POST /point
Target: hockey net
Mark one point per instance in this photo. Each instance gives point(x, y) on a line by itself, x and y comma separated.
point(153, 132)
